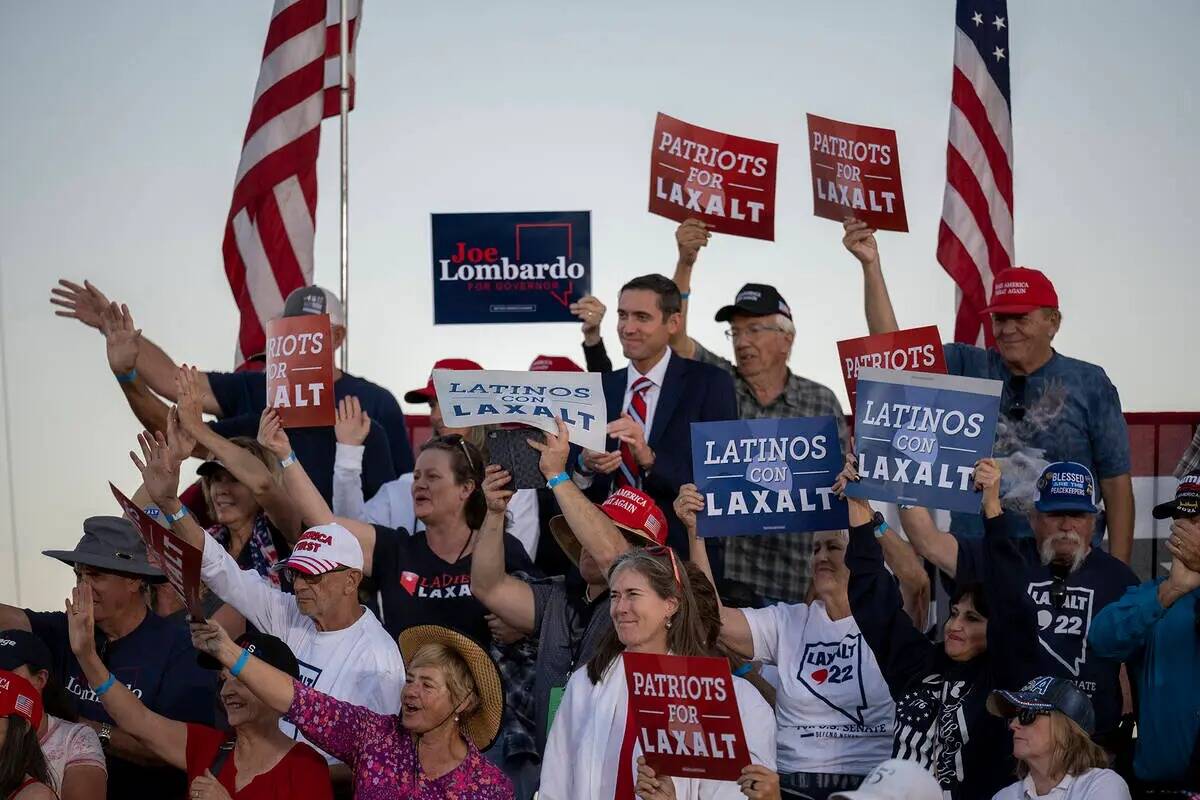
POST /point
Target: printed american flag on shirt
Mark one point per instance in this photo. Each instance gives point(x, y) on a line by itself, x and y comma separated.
point(268, 246)
point(975, 239)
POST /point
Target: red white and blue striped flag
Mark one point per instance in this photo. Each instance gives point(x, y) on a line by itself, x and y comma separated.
point(268, 246)
point(975, 239)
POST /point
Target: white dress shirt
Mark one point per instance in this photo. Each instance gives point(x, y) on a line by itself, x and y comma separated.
point(656, 375)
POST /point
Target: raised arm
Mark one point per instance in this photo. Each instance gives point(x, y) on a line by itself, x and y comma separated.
point(690, 236)
point(166, 738)
point(931, 543)
point(307, 500)
point(594, 530)
point(735, 630)
point(507, 597)
point(159, 466)
point(350, 429)
point(241, 463)
point(272, 686)
point(859, 239)
point(908, 568)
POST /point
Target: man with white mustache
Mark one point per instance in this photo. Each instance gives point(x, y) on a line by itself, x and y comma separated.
point(1070, 582)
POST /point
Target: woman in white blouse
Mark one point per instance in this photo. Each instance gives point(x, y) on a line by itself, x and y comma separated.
point(587, 755)
point(835, 713)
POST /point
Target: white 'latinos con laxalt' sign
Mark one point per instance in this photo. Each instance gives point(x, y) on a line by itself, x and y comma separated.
point(485, 397)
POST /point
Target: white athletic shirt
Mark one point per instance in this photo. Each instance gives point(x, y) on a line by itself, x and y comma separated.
point(834, 709)
point(360, 664)
point(68, 744)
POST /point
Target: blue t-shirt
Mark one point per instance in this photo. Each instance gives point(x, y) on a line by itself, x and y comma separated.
point(157, 663)
point(1072, 413)
point(241, 393)
point(1064, 616)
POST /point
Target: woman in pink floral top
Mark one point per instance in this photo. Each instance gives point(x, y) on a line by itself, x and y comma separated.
point(450, 710)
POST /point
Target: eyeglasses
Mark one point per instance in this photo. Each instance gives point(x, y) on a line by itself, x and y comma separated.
point(658, 551)
point(1027, 716)
point(751, 331)
point(312, 580)
point(1016, 408)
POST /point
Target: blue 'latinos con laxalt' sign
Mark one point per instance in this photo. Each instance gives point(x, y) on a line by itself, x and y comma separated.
point(510, 267)
point(767, 476)
point(919, 435)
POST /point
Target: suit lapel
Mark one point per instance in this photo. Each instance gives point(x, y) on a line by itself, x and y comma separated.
point(669, 395)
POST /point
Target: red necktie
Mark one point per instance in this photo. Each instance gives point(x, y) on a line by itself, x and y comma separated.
point(630, 474)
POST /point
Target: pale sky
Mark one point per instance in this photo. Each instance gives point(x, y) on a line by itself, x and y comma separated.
point(122, 124)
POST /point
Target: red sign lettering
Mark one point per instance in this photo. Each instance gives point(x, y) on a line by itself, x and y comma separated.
point(725, 180)
point(178, 560)
point(912, 350)
point(300, 370)
point(856, 173)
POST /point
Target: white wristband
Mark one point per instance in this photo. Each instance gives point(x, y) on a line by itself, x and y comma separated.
point(287, 462)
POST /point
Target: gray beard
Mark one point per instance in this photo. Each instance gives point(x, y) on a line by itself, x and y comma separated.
point(1049, 556)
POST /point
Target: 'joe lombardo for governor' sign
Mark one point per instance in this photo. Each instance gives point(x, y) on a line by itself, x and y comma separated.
point(767, 476)
point(521, 267)
point(919, 435)
point(725, 180)
point(856, 173)
point(300, 370)
point(685, 715)
point(539, 399)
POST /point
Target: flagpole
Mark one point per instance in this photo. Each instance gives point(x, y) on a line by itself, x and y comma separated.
point(344, 115)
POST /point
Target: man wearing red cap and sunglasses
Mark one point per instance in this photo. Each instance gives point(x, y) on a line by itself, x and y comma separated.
point(1054, 408)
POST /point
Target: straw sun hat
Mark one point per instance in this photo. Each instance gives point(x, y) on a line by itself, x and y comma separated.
point(483, 724)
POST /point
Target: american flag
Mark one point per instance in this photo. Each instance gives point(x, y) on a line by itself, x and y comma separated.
point(975, 239)
point(24, 705)
point(268, 247)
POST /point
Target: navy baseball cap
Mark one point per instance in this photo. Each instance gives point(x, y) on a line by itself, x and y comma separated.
point(1186, 502)
point(1046, 694)
point(1066, 486)
point(755, 300)
point(269, 648)
point(21, 648)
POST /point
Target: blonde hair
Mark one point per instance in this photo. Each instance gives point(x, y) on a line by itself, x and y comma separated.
point(1074, 751)
point(459, 681)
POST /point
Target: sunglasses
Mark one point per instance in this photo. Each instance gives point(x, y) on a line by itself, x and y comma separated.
point(457, 438)
point(1027, 716)
point(659, 551)
point(1016, 408)
point(312, 580)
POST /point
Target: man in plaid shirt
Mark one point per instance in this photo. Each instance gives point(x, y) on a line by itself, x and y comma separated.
point(777, 566)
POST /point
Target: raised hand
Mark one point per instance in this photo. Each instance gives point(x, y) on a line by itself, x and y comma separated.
point(122, 339)
point(85, 303)
point(688, 503)
point(554, 450)
point(190, 399)
point(81, 622)
point(495, 478)
point(271, 434)
point(859, 239)
point(627, 430)
point(180, 441)
point(690, 236)
point(353, 424)
point(987, 480)
point(209, 637)
point(849, 474)
point(160, 470)
point(590, 311)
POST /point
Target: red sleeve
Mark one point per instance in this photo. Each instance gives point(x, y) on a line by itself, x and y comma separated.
point(307, 773)
point(202, 744)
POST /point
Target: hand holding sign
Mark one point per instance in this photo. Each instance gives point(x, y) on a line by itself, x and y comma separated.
point(688, 503)
point(987, 480)
point(759, 783)
point(554, 451)
point(690, 236)
point(859, 239)
point(650, 786)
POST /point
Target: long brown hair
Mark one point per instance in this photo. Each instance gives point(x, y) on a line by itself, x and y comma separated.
point(21, 755)
point(1074, 751)
point(466, 465)
point(685, 637)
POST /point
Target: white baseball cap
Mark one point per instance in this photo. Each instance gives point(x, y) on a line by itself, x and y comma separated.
point(895, 779)
point(324, 548)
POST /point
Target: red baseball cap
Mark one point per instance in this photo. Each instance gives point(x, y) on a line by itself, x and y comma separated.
point(426, 393)
point(554, 364)
point(1019, 290)
point(638, 517)
point(18, 697)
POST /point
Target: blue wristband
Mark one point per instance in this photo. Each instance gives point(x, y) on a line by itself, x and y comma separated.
point(126, 377)
point(178, 515)
point(240, 664)
point(287, 462)
point(684, 295)
point(104, 687)
point(743, 670)
point(561, 477)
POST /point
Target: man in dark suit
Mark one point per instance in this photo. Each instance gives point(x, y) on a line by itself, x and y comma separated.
point(652, 404)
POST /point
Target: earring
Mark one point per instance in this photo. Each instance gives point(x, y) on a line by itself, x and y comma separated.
point(668, 623)
point(456, 717)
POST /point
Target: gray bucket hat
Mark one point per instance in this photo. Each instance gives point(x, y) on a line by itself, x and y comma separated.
point(110, 544)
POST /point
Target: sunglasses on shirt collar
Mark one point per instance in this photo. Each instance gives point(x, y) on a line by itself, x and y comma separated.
point(1016, 391)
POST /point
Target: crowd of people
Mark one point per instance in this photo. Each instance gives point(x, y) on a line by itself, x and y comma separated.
point(380, 624)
